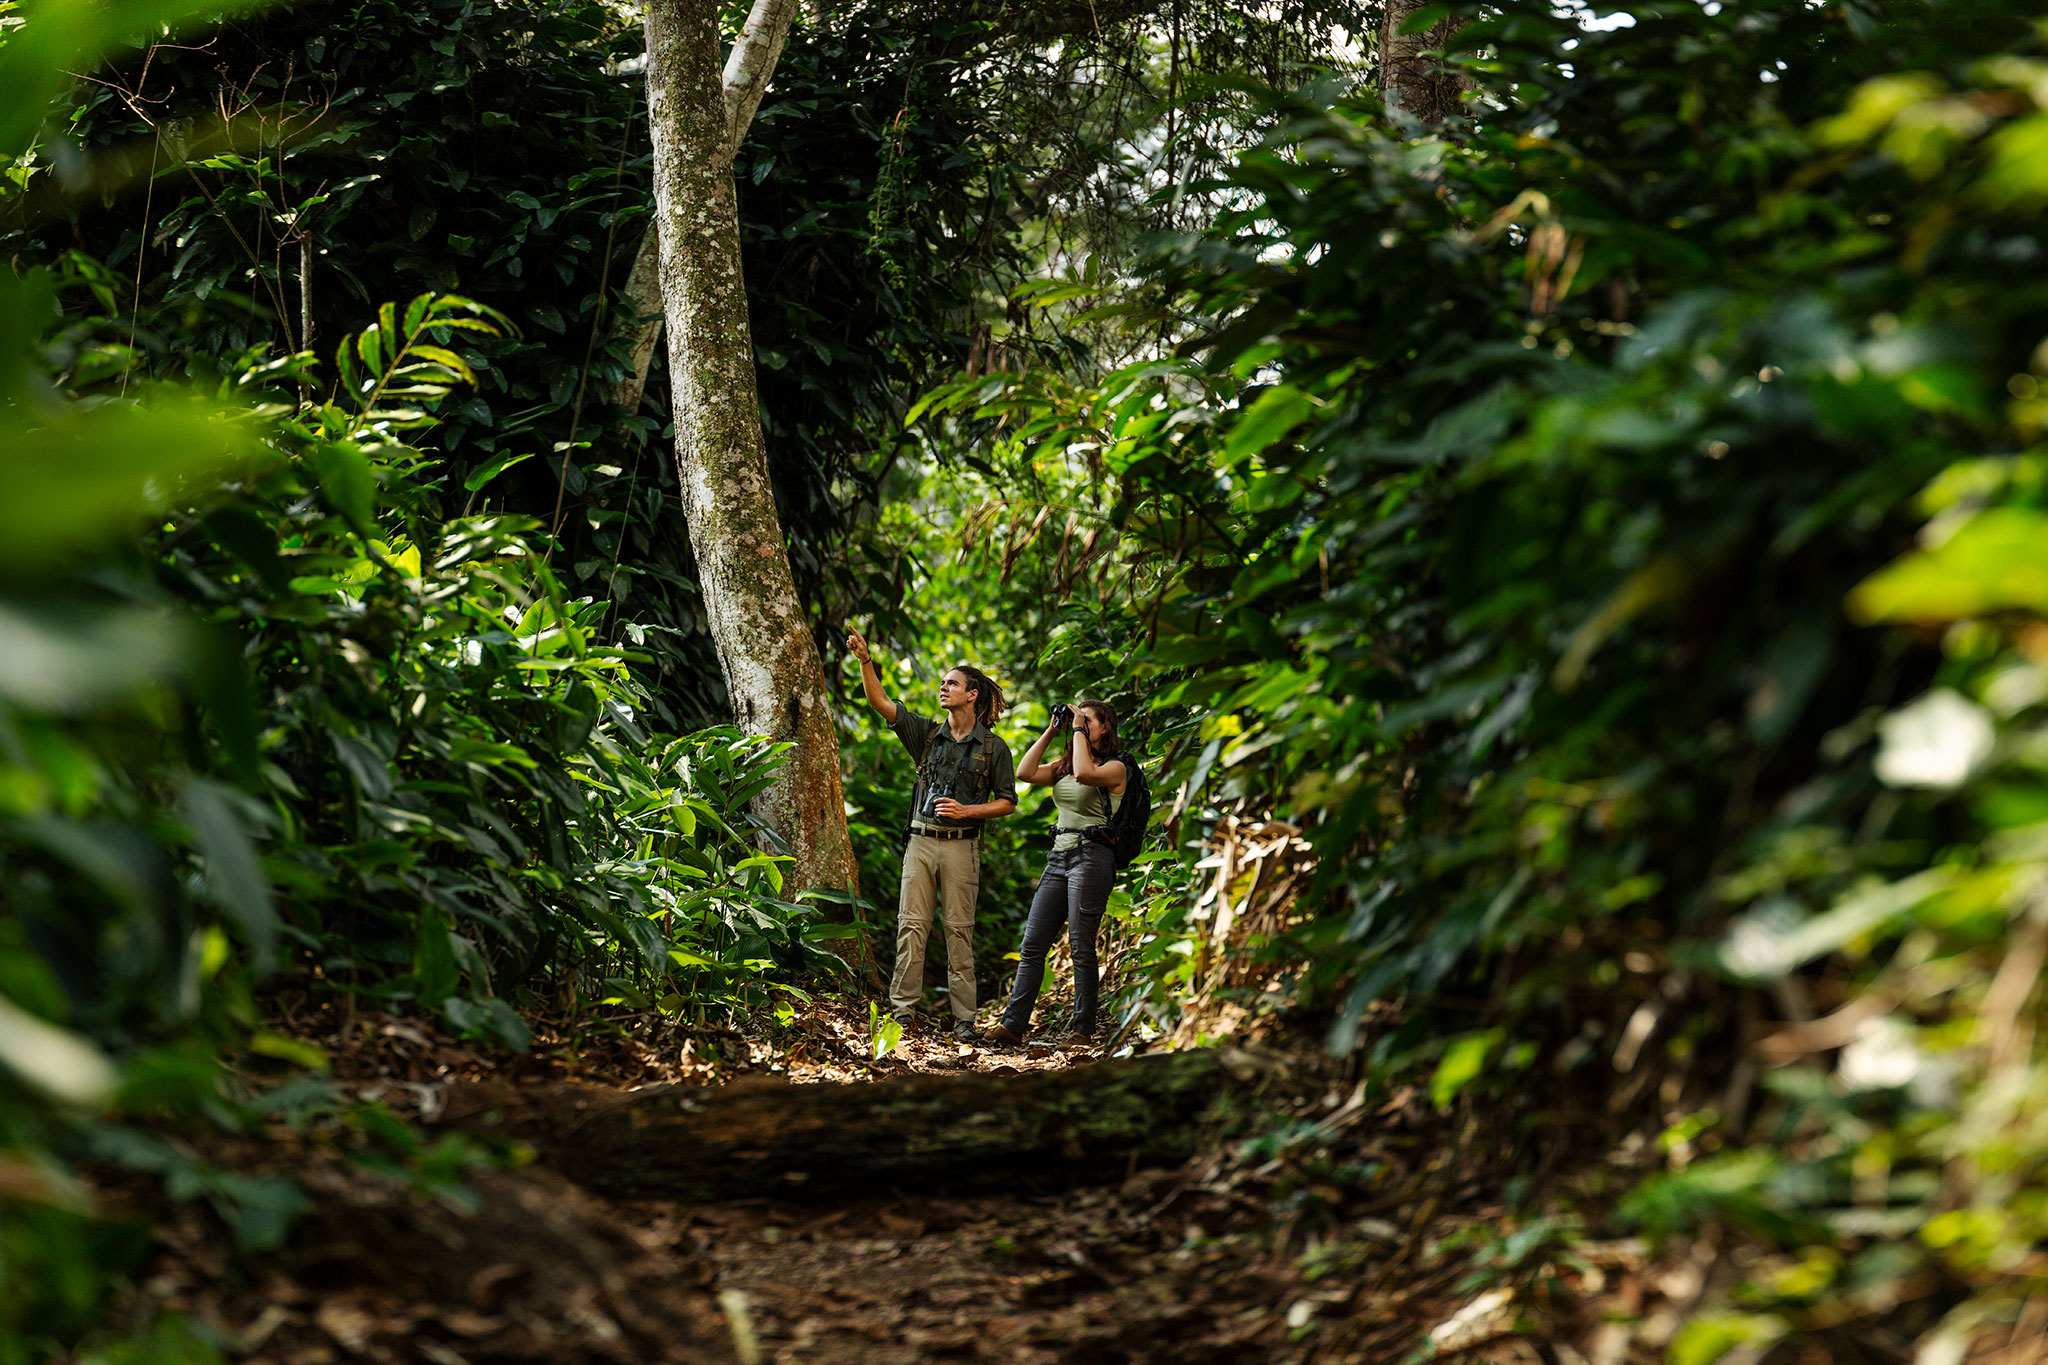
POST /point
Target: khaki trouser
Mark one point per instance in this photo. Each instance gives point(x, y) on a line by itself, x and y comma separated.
point(947, 873)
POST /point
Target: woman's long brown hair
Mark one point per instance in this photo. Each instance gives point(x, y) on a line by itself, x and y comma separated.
point(1112, 745)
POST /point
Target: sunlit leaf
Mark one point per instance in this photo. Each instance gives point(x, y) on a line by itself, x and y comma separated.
point(1462, 1062)
point(1993, 562)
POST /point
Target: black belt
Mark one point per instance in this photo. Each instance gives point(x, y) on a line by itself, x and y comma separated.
point(935, 832)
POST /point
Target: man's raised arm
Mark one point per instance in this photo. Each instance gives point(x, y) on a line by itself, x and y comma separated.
point(870, 681)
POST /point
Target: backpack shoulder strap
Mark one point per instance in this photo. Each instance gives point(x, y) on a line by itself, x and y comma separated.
point(1110, 807)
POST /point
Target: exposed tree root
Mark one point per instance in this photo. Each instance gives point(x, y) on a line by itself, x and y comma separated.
point(934, 1134)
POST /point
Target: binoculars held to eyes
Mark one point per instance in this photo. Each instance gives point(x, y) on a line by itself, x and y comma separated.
point(1062, 714)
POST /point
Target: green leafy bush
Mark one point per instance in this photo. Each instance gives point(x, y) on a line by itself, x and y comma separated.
point(319, 727)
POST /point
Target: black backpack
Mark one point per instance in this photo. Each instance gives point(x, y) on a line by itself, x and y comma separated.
point(1125, 832)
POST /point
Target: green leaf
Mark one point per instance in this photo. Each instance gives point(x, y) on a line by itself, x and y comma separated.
point(2017, 177)
point(220, 683)
point(417, 312)
point(1993, 562)
point(349, 482)
point(883, 1031)
point(1272, 415)
point(576, 718)
point(1428, 17)
point(233, 873)
point(80, 659)
point(477, 478)
point(260, 1211)
point(433, 961)
point(368, 767)
point(489, 1018)
point(1711, 1336)
point(1463, 1060)
point(297, 1051)
point(350, 376)
point(441, 355)
point(1762, 946)
point(1656, 582)
point(87, 477)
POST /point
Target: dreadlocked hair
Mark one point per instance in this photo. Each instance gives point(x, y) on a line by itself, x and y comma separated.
point(988, 698)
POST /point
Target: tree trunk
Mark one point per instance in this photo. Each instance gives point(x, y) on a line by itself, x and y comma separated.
point(935, 1134)
point(640, 321)
point(765, 649)
point(748, 69)
point(1409, 81)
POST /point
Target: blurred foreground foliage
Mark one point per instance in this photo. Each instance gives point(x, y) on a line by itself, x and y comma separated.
point(1609, 529)
point(318, 731)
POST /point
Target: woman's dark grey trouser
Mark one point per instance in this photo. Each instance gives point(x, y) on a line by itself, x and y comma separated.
point(1074, 890)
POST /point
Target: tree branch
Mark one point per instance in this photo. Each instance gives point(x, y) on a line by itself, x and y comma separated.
point(751, 64)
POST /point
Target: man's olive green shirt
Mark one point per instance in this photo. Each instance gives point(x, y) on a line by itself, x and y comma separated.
point(971, 770)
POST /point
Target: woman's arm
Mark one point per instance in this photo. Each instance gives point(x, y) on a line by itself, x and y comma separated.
point(1029, 769)
point(871, 681)
point(1109, 773)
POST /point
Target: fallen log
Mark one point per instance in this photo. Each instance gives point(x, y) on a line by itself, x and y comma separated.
point(930, 1134)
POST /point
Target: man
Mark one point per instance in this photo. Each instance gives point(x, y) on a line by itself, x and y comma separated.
point(965, 775)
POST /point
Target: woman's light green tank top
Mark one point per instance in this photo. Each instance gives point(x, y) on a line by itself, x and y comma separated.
point(1080, 806)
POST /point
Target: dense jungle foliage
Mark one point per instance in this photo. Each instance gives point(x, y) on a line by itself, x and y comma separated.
point(1514, 517)
point(1599, 538)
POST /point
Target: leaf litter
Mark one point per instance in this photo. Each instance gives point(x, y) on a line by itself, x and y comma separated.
point(1313, 1226)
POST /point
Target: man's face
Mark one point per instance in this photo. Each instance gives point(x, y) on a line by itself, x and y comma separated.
point(955, 690)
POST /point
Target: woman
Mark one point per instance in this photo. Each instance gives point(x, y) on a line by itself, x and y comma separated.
point(1087, 786)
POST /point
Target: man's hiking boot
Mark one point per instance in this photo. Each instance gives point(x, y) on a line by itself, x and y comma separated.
point(1004, 1034)
point(965, 1031)
point(1077, 1042)
point(907, 1019)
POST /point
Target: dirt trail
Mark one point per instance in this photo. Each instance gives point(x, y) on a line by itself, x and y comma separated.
point(1235, 1255)
point(1147, 1267)
point(1152, 1265)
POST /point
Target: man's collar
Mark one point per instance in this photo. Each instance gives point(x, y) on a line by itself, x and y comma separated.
point(979, 731)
